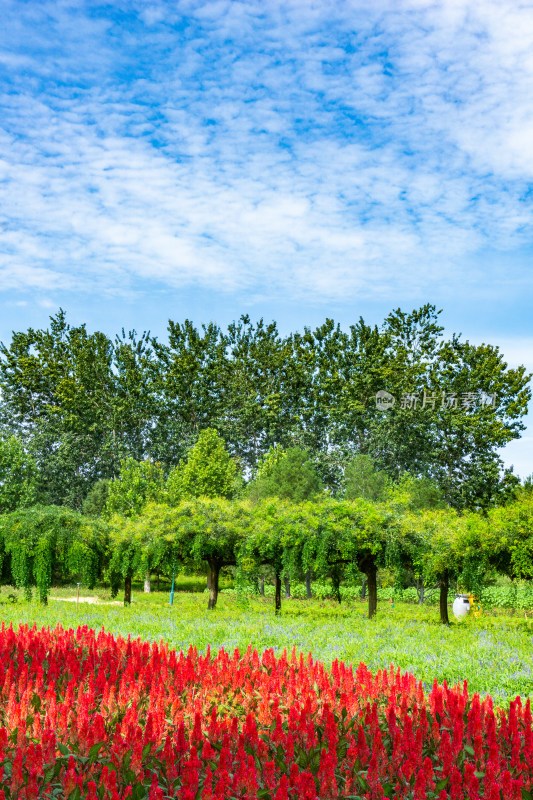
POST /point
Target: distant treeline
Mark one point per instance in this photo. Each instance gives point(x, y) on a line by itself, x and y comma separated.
point(78, 403)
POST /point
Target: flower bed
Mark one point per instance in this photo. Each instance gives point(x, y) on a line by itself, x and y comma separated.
point(85, 715)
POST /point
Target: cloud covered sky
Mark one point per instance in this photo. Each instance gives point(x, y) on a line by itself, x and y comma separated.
point(294, 160)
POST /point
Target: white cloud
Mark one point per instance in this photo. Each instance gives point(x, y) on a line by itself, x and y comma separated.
point(288, 147)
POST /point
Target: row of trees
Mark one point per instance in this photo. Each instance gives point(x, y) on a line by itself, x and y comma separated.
point(79, 403)
point(327, 538)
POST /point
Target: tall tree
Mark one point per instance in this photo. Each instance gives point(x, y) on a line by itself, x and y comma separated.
point(290, 475)
point(481, 403)
point(258, 391)
point(190, 373)
point(136, 404)
point(81, 402)
point(77, 401)
point(209, 471)
point(57, 384)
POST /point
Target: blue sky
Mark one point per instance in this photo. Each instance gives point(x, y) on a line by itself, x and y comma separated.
point(292, 160)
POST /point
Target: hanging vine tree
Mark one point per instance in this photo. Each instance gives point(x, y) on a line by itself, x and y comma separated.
point(44, 541)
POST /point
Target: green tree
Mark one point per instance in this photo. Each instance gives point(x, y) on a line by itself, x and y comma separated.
point(274, 525)
point(466, 463)
point(416, 493)
point(213, 532)
point(352, 535)
point(259, 391)
point(527, 485)
point(361, 479)
point(47, 541)
point(95, 503)
point(507, 541)
point(190, 370)
point(436, 538)
point(18, 476)
point(141, 544)
point(138, 483)
point(290, 475)
point(341, 372)
point(79, 402)
point(209, 471)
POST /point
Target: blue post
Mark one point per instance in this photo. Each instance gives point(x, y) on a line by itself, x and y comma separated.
point(172, 590)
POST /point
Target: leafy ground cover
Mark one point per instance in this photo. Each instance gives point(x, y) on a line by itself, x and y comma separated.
point(493, 652)
point(85, 714)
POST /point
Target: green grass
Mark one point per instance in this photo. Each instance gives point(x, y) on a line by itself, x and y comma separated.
point(493, 653)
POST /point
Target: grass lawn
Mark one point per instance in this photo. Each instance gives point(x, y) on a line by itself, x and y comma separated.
point(494, 653)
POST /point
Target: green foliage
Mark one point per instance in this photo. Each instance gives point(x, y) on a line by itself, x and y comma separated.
point(142, 544)
point(81, 402)
point(351, 536)
point(211, 530)
point(94, 504)
point(210, 471)
point(259, 387)
point(139, 482)
point(275, 524)
point(361, 479)
point(18, 476)
point(433, 538)
point(290, 475)
point(417, 493)
point(200, 533)
point(527, 484)
point(509, 544)
point(44, 540)
point(512, 597)
point(330, 538)
point(269, 460)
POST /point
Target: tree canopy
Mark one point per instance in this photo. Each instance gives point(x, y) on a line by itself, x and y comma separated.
point(80, 403)
point(290, 474)
point(209, 470)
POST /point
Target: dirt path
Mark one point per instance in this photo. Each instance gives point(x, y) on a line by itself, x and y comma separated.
point(93, 600)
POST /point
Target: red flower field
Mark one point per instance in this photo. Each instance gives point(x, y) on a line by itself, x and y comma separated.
point(85, 715)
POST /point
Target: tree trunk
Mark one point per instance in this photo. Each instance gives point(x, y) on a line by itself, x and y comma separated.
point(420, 588)
point(127, 590)
point(262, 587)
point(372, 577)
point(147, 586)
point(308, 584)
point(336, 582)
point(287, 588)
point(443, 600)
point(278, 594)
point(212, 584)
point(363, 588)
